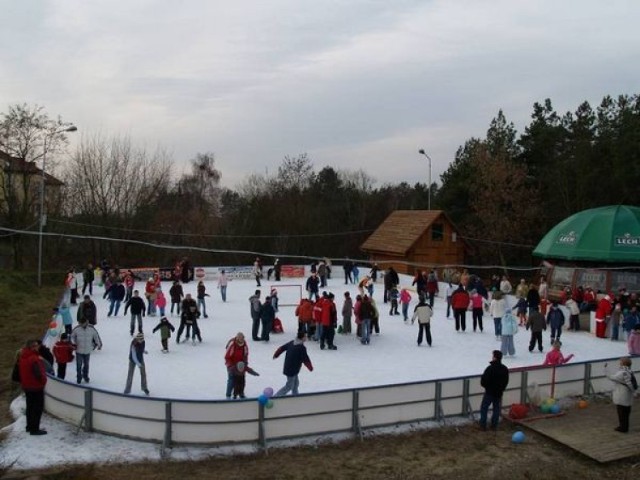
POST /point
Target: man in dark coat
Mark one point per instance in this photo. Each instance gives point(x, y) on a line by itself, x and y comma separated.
point(138, 310)
point(313, 286)
point(296, 355)
point(88, 276)
point(494, 380)
point(255, 306)
point(87, 311)
point(189, 320)
point(391, 278)
point(117, 292)
point(267, 316)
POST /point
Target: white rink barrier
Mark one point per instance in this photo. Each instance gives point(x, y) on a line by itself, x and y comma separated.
point(183, 422)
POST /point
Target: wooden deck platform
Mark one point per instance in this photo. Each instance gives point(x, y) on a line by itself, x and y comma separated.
point(590, 431)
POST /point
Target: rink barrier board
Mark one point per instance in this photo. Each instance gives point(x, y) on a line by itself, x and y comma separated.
point(178, 421)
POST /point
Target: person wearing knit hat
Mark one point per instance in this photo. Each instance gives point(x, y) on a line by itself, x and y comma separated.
point(136, 359)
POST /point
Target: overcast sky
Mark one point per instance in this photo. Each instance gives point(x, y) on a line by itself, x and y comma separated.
point(353, 83)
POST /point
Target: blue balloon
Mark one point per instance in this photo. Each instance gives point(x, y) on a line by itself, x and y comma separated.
point(517, 437)
point(555, 408)
point(262, 399)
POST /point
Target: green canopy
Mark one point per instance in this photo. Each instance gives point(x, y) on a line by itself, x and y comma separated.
point(606, 234)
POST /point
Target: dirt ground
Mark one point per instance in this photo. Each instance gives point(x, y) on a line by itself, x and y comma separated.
point(447, 453)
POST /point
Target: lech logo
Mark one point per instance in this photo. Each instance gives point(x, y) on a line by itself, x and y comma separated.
point(627, 240)
point(568, 238)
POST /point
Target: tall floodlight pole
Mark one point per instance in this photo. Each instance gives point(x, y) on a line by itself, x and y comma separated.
point(70, 128)
point(422, 152)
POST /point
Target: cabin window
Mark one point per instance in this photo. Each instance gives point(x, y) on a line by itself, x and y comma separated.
point(437, 232)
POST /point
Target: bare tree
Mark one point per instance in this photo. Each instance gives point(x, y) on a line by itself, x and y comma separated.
point(112, 178)
point(27, 137)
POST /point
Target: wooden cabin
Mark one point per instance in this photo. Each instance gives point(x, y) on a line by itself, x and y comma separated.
point(412, 239)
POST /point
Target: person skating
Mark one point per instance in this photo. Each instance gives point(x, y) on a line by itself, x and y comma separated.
point(347, 311)
point(329, 320)
point(236, 351)
point(267, 316)
point(189, 320)
point(222, 284)
point(509, 329)
point(536, 323)
point(555, 321)
point(494, 380)
point(366, 312)
point(555, 356)
point(63, 353)
point(116, 295)
point(177, 294)
point(497, 309)
point(86, 339)
point(165, 328)
point(202, 293)
point(239, 371)
point(405, 300)
point(295, 356)
point(138, 310)
point(304, 312)
point(255, 307)
point(394, 296)
point(423, 313)
point(88, 276)
point(136, 360)
point(87, 311)
point(460, 303)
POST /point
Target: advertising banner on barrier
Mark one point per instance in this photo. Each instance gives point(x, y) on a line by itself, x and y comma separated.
point(166, 274)
point(292, 271)
point(206, 273)
point(143, 274)
point(211, 273)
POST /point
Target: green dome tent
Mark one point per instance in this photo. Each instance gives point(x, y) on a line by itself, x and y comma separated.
point(606, 234)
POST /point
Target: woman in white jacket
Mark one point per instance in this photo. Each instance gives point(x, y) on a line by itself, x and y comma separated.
point(623, 391)
point(497, 307)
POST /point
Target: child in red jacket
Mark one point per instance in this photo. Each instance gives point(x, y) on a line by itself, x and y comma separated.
point(555, 356)
point(63, 353)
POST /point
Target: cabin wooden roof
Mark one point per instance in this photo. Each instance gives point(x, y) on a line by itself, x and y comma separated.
point(400, 230)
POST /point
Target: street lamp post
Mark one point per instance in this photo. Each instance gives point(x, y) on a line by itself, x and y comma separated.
point(422, 152)
point(70, 128)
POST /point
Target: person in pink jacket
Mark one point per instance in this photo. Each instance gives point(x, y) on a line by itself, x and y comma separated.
point(161, 301)
point(405, 300)
point(633, 342)
point(555, 356)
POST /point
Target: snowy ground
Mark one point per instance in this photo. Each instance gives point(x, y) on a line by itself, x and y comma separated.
point(198, 371)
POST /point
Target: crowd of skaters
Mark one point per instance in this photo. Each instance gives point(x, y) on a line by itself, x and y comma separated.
point(317, 314)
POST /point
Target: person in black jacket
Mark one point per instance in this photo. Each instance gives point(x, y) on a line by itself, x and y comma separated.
point(189, 320)
point(176, 293)
point(117, 293)
point(138, 310)
point(87, 279)
point(267, 316)
point(391, 278)
point(494, 380)
point(296, 355)
point(87, 311)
